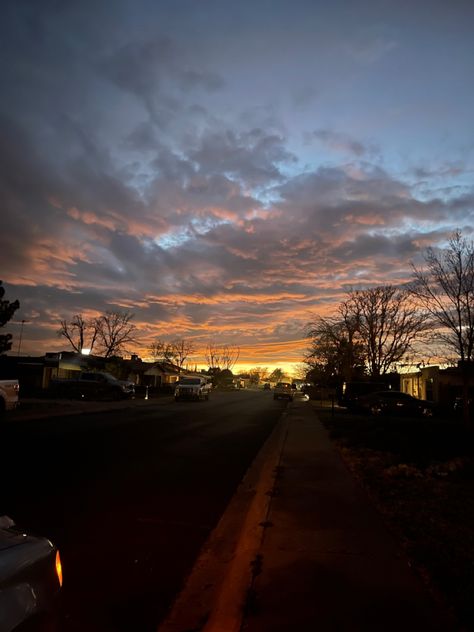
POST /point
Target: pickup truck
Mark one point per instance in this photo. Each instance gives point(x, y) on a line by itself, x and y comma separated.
point(93, 385)
point(283, 390)
point(9, 390)
point(192, 388)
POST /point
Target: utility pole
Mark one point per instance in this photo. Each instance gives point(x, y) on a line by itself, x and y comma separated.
point(21, 335)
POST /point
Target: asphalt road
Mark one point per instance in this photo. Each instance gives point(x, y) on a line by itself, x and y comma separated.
point(130, 497)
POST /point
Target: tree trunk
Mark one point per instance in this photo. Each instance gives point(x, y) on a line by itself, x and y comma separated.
point(466, 408)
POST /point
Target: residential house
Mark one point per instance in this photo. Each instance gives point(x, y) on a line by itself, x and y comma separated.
point(434, 384)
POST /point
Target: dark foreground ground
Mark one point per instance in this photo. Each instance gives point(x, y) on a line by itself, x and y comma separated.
point(129, 496)
point(420, 474)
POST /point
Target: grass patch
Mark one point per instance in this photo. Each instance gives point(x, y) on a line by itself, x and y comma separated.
point(420, 474)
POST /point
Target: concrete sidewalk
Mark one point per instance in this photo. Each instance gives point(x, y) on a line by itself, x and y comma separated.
point(327, 560)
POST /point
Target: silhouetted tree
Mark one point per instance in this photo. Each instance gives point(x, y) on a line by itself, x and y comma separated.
point(79, 332)
point(445, 290)
point(258, 374)
point(277, 375)
point(336, 351)
point(229, 356)
point(114, 331)
point(213, 356)
point(7, 309)
point(161, 350)
point(387, 322)
point(182, 349)
point(222, 356)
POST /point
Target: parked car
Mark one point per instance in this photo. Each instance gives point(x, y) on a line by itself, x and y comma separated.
point(458, 406)
point(93, 385)
point(283, 390)
point(352, 392)
point(30, 578)
point(9, 390)
point(396, 403)
point(196, 388)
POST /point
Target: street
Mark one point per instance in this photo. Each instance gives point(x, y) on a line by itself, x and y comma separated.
point(130, 496)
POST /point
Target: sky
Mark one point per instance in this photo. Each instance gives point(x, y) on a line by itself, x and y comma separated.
point(226, 170)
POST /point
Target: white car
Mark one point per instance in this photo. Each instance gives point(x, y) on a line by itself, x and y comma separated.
point(30, 577)
point(8, 395)
point(192, 388)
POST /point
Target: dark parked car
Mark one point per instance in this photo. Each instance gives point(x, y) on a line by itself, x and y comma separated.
point(283, 390)
point(93, 385)
point(396, 403)
point(458, 406)
point(353, 391)
point(30, 579)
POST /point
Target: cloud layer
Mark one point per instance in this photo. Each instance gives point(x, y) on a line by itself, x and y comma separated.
point(146, 167)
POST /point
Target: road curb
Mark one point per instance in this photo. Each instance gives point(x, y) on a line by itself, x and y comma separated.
point(60, 410)
point(214, 595)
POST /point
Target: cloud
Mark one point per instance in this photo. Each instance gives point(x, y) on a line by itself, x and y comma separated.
point(337, 141)
point(144, 167)
point(253, 157)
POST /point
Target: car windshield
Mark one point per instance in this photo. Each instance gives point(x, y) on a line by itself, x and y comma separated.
point(190, 381)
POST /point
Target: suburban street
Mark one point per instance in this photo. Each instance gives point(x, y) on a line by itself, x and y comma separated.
point(130, 495)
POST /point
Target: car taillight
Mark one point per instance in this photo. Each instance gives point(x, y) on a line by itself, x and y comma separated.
point(16, 387)
point(59, 569)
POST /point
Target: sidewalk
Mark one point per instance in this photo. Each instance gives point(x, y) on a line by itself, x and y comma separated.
point(327, 561)
point(301, 549)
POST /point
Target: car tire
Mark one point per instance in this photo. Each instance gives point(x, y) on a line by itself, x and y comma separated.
point(375, 410)
point(117, 394)
point(427, 412)
point(76, 394)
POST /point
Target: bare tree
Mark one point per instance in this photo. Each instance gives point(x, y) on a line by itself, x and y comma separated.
point(258, 374)
point(445, 290)
point(229, 356)
point(79, 332)
point(161, 350)
point(114, 331)
point(388, 323)
point(182, 350)
point(213, 356)
point(222, 357)
point(277, 375)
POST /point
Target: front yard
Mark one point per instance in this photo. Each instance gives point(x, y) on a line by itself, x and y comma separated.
point(420, 475)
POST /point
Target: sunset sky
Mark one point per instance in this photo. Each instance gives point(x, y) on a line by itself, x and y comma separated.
point(224, 170)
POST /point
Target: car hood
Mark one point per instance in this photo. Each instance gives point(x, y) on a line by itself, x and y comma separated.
point(19, 551)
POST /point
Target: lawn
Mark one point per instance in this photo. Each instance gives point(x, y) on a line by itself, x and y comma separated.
point(420, 475)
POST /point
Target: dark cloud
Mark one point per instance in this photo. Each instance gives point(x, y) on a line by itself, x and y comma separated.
point(254, 156)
